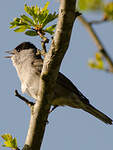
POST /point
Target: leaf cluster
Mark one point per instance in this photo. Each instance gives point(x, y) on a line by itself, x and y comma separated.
point(90, 5)
point(9, 142)
point(108, 10)
point(97, 5)
point(97, 63)
point(36, 21)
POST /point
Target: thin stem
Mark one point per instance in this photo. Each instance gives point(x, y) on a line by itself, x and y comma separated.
point(97, 41)
point(45, 39)
point(24, 99)
point(98, 21)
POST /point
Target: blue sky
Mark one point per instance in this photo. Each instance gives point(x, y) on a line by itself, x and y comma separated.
point(68, 128)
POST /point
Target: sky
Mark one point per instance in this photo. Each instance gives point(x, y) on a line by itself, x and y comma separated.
point(68, 128)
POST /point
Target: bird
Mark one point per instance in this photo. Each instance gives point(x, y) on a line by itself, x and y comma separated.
point(29, 66)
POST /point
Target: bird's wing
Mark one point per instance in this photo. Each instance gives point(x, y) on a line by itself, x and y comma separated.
point(62, 80)
point(65, 82)
point(38, 64)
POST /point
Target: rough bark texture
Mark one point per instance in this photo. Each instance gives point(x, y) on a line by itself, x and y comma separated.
point(52, 61)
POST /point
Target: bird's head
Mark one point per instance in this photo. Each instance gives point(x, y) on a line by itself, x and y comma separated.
point(22, 52)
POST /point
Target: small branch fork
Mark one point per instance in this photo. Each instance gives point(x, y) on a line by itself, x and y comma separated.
point(30, 104)
point(41, 34)
point(97, 42)
point(43, 51)
point(44, 41)
point(103, 20)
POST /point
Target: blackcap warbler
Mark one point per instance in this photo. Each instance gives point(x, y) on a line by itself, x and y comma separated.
point(29, 65)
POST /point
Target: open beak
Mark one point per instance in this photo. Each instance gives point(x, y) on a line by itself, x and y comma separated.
point(12, 52)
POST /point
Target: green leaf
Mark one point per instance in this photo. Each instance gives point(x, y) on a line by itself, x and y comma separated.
point(50, 29)
point(31, 33)
point(45, 7)
point(49, 18)
point(97, 63)
point(15, 21)
point(6, 136)
point(98, 56)
point(92, 63)
point(40, 18)
point(9, 141)
point(36, 10)
point(27, 19)
point(90, 5)
point(20, 29)
point(14, 142)
point(100, 64)
point(13, 26)
point(19, 22)
point(42, 13)
point(32, 11)
point(28, 9)
point(108, 10)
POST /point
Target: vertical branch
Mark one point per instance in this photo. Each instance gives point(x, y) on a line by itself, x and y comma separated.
point(49, 73)
point(97, 42)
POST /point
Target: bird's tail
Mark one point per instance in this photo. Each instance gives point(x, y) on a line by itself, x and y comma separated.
point(98, 114)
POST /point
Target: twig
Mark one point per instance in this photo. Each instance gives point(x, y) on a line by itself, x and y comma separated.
point(43, 51)
point(45, 39)
point(41, 34)
point(30, 104)
point(98, 21)
point(43, 46)
point(97, 42)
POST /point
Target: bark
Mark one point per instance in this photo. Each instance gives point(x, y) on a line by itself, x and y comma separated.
point(52, 61)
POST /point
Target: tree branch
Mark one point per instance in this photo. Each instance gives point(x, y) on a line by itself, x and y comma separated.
point(43, 51)
point(30, 104)
point(49, 73)
point(97, 42)
point(103, 20)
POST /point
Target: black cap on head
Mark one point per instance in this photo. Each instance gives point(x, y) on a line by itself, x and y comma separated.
point(25, 45)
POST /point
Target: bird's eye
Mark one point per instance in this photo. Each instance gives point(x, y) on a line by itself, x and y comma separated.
point(18, 50)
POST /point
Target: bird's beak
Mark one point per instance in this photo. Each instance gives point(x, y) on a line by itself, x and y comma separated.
point(12, 52)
